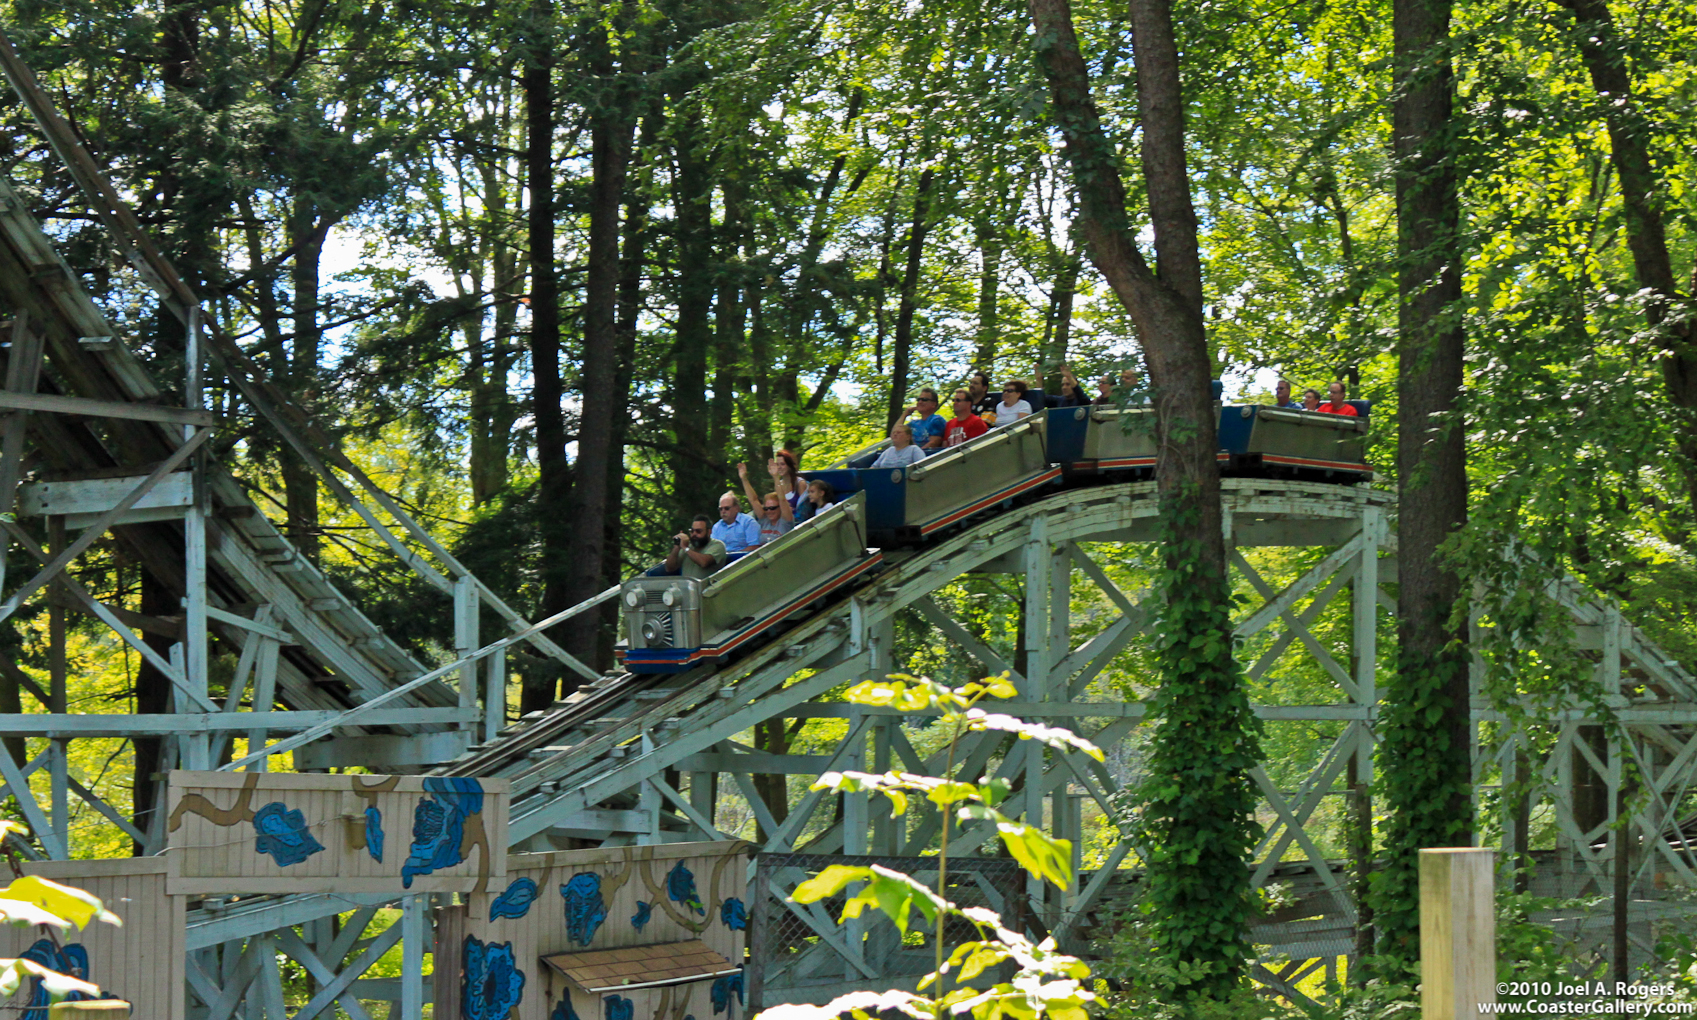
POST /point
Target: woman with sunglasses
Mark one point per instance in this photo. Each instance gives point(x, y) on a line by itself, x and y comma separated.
point(775, 516)
point(1013, 406)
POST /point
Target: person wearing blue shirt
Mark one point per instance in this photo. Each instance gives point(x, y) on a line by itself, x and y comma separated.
point(928, 426)
point(737, 530)
point(1281, 396)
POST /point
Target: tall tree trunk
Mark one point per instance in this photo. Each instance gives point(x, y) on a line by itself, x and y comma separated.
point(153, 697)
point(1427, 786)
point(695, 473)
point(729, 342)
point(991, 244)
point(632, 256)
point(300, 485)
point(1060, 318)
point(1199, 795)
point(492, 409)
point(598, 428)
point(554, 482)
point(909, 297)
point(1642, 197)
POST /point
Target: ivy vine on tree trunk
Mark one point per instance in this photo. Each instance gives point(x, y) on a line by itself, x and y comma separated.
point(1198, 802)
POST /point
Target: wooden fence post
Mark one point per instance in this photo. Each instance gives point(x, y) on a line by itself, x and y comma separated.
point(1458, 933)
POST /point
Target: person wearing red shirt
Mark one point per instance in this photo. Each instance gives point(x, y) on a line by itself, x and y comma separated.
point(965, 425)
point(1337, 405)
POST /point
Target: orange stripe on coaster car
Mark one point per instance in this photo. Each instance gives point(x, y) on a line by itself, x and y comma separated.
point(1335, 465)
point(1007, 493)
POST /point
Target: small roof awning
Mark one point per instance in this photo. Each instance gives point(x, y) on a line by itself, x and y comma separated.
point(669, 963)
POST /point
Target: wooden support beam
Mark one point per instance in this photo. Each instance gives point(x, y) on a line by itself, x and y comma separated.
point(53, 403)
point(164, 626)
point(64, 556)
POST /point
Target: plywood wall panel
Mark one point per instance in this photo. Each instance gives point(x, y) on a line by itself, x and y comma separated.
point(603, 907)
point(263, 832)
point(142, 961)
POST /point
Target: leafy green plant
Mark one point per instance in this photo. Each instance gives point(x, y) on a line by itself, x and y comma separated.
point(1046, 982)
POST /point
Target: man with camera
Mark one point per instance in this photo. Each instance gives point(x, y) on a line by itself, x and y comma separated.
point(695, 553)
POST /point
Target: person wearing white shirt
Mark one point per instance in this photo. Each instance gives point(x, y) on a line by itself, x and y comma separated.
point(901, 452)
point(1013, 406)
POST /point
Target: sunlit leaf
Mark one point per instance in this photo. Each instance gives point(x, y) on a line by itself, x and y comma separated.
point(74, 905)
point(828, 883)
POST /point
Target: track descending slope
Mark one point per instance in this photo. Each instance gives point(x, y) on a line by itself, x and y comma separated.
point(613, 734)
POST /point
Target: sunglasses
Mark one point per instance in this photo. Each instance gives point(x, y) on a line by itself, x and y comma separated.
point(771, 506)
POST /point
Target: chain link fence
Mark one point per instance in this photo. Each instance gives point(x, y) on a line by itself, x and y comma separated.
point(800, 953)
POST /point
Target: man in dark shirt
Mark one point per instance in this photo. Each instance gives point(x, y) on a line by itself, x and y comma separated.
point(978, 388)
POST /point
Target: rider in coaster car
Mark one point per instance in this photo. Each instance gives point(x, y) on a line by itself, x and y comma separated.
point(901, 452)
point(927, 424)
point(737, 530)
point(695, 553)
point(1337, 404)
point(965, 424)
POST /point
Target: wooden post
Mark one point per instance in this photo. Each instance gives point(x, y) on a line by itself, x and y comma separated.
point(104, 1009)
point(759, 930)
point(1458, 933)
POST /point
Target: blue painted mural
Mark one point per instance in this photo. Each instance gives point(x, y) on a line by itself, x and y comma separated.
point(585, 909)
point(733, 914)
point(680, 887)
point(374, 833)
point(723, 989)
point(563, 1009)
point(515, 901)
point(72, 960)
point(619, 1008)
point(283, 834)
point(644, 910)
point(491, 984)
point(438, 825)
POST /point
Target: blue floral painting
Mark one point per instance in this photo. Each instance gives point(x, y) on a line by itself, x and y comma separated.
point(680, 886)
point(491, 984)
point(644, 910)
point(733, 913)
point(374, 833)
point(72, 960)
point(722, 991)
point(619, 1008)
point(515, 902)
point(438, 825)
point(283, 834)
point(585, 909)
point(563, 1009)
